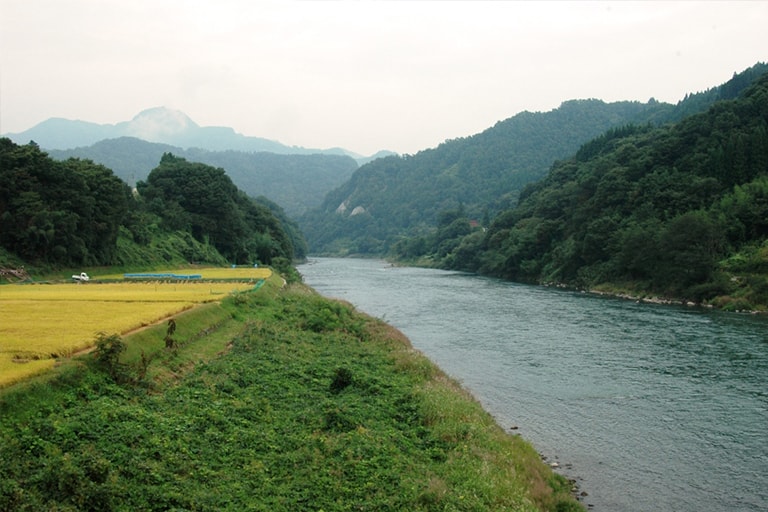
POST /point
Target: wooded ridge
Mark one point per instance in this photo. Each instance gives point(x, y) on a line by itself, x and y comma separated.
point(679, 210)
point(78, 213)
point(646, 198)
point(296, 182)
point(394, 198)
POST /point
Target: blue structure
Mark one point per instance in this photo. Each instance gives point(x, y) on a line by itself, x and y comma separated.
point(162, 276)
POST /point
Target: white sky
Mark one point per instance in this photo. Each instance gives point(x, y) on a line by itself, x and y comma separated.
point(362, 75)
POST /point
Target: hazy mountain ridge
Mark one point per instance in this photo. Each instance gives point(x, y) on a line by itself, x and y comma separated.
point(160, 125)
point(295, 182)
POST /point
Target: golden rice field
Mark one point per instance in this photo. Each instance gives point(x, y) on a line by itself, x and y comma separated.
point(39, 322)
point(214, 273)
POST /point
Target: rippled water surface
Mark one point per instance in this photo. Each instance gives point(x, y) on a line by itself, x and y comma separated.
point(649, 407)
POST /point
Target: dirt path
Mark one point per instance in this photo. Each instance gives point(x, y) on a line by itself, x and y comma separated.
point(127, 333)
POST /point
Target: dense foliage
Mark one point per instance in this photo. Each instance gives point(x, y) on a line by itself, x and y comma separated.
point(67, 213)
point(203, 200)
point(288, 402)
point(78, 213)
point(398, 198)
point(295, 182)
point(679, 210)
point(289, 226)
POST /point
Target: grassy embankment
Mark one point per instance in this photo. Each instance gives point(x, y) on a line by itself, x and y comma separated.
point(273, 400)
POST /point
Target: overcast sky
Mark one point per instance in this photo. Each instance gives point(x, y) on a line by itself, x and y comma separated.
point(362, 75)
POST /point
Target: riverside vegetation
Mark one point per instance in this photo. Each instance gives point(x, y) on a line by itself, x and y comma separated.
point(276, 399)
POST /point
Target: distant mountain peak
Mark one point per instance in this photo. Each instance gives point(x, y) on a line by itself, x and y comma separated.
point(160, 125)
point(156, 123)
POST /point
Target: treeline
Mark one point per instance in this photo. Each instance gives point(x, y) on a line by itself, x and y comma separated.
point(680, 210)
point(78, 213)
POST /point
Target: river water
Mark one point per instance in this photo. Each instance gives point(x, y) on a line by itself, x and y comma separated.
point(648, 407)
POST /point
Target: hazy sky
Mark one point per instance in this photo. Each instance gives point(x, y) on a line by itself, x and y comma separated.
point(363, 75)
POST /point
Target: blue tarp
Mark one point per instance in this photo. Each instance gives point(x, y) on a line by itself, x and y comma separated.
point(162, 276)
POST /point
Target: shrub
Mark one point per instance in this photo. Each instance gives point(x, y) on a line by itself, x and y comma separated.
point(107, 354)
point(342, 378)
point(337, 419)
point(323, 320)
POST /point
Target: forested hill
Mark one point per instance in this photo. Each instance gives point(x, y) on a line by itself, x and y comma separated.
point(396, 195)
point(481, 175)
point(679, 210)
point(296, 182)
point(75, 212)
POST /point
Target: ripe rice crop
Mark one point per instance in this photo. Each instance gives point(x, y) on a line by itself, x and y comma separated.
point(13, 370)
point(235, 273)
point(44, 321)
point(228, 273)
point(140, 291)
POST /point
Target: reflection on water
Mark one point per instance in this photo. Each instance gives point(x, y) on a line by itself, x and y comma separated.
point(650, 407)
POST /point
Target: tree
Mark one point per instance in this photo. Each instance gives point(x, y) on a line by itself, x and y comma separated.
point(58, 212)
point(203, 199)
point(691, 243)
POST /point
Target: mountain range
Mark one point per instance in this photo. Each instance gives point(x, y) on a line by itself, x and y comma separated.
point(345, 209)
point(294, 177)
point(161, 125)
point(295, 182)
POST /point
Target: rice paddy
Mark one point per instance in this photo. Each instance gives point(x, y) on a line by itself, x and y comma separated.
point(42, 322)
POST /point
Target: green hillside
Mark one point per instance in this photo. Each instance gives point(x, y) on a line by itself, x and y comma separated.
point(680, 210)
point(295, 182)
point(276, 400)
point(409, 197)
point(75, 212)
point(403, 195)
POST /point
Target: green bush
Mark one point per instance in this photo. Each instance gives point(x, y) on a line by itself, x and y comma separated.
point(107, 354)
point(342, 378)
point(336, 419)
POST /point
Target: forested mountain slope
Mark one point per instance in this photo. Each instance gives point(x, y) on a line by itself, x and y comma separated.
point(397, 195)
point(481, 175)
point(679, 210)
point(78, 213)
point(295, 182)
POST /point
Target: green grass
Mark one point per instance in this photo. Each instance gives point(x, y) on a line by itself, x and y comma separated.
point(276, 400)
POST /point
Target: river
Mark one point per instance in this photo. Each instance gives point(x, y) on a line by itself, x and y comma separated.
point(649, 407)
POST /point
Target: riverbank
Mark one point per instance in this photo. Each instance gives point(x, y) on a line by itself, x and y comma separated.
point(724, 304)
point(648, 407)
point(278, 400)
point(746, 293)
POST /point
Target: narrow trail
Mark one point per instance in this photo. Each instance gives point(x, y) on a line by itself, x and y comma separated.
point(127, 333)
